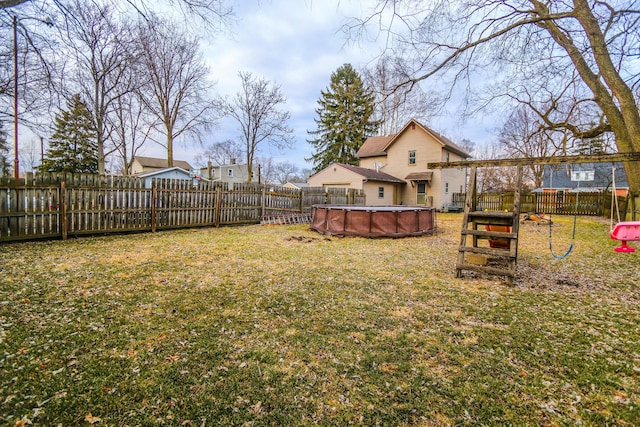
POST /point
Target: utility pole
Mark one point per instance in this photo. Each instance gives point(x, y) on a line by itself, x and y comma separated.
point(16, 160)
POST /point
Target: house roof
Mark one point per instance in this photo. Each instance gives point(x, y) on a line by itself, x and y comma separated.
point(419, 176)
point(375, 146)
point(378, 145)
point(152, 162)
point(559, 176)
point(297, 184)
point(370, 174)
point(161, 171)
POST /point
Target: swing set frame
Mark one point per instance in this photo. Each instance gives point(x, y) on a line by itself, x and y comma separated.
point(553, 160)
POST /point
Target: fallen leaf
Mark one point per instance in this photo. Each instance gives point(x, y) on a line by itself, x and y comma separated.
point(91, 419)
point(388, 368)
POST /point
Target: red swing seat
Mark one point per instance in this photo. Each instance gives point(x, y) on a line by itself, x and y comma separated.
point(625, 232)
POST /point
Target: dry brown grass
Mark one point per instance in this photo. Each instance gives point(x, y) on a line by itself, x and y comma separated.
point(281, 326)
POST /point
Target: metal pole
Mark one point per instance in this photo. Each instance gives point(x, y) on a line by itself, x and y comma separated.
point(16, 161)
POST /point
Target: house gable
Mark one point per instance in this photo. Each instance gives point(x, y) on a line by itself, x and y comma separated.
point(149, 164)
point(168, 173)
point(379, 146)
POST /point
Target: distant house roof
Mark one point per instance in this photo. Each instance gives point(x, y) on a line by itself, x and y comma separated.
point(371, 174)
point(559, 176)
point(297, 184)
point(154, 163)
point(165, 171)
point(378, 145)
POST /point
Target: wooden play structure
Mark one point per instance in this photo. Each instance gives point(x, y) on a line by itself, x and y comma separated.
point(489, 239)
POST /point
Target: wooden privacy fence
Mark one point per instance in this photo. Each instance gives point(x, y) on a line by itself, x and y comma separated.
point(558, 203)
point(58, 205)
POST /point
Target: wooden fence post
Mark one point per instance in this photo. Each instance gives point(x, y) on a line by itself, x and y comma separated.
point(154, 204)
point(218, 206)
point(63, 209)
point(632, 207)
point(263, 201)
point(301, 200)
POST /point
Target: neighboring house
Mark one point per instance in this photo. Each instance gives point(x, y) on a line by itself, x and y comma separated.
point(558, 178)
point(150, 164)
point(399, 162)
point(296, 185)
point(169, 173)
point(231, 173)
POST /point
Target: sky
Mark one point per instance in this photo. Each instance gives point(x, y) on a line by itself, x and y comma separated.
point(298, 45)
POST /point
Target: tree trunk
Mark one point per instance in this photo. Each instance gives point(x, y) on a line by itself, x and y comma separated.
point(169, 150)
point(101, 169)
point(611, 92)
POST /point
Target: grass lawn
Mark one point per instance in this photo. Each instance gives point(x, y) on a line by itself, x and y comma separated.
point(278, 325)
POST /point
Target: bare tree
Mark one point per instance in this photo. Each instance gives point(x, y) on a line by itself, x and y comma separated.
point(467, 145)
point(220, 153)
point(36, 56)
point(214, 14)
point(495, 179)
point(101, 47)
point(178, 93)
point(37, 40)
point(31, 154)
point(523, 135)
point(396, 103)
point(567, 56)
point(131, 126)
point(255, 109)
point(286, 171)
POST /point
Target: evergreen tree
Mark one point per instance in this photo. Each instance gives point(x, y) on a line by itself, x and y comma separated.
point(73, 146)
point(345, 119)
point(5, 166)
point(590, 146)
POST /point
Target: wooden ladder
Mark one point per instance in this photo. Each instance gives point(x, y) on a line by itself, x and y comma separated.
point(497, 228)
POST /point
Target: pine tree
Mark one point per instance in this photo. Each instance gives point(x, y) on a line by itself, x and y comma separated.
point(590, 146)
point(345, 119)
point(73, 146)
point(5, 166)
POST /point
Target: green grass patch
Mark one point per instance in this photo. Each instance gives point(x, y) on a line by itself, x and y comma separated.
point(278, 325)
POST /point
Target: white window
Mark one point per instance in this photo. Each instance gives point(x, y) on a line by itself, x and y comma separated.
point(230, 173)
point(380, 192)
point(412, 157)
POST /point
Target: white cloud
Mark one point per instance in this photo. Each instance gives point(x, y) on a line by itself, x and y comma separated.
point(297, 45)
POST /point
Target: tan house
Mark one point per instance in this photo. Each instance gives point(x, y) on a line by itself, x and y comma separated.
point(403, 157)
point(151, 164)
point(379, 188)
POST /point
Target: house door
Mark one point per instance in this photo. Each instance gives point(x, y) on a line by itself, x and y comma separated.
point(421, 193)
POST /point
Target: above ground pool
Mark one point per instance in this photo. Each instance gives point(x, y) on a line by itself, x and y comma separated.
point(373, 221)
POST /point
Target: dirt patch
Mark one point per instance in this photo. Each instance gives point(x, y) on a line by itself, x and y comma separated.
point(306, 239)
point(540, 277)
